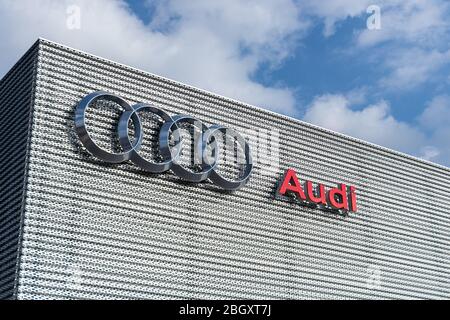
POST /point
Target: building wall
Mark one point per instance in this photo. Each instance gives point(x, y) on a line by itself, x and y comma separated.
point(16, 92)
point(94, 230)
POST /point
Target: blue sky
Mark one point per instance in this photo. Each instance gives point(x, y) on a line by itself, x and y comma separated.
point(314, 60)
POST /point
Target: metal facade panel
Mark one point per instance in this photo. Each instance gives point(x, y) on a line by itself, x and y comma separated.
point(94, 230)
point(16, 90)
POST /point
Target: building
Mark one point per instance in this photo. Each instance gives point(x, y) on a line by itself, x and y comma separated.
point(74, 226)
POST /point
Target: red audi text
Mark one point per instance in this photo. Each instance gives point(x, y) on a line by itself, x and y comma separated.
point(342, 198)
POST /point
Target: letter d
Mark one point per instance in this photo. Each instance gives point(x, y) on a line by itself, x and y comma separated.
point(342, 193)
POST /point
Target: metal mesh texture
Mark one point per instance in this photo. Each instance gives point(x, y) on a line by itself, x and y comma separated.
point(15, 106)
point(93, 230)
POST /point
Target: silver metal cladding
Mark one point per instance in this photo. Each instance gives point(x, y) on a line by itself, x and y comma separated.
point(170, 142)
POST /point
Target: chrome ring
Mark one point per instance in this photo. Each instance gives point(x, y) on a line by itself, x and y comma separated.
point(170, 154)
point(216, 177)
point(165, 149)
point(85, 138)
point(135, 157)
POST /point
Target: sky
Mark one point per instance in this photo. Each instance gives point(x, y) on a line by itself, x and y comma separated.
point(375, 70)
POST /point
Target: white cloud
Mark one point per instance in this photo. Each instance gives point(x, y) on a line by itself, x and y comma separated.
point(435, 119)
point(436, 114)
point(219, 45)
point(428, 138)
point(373, 123)
point(412, 67)
point(430, 153)
point(334, 11)
point(415, 34)
point(213, 45)
point(412, 44)
point(440, 141)
point(419, 22)
point(357, 96)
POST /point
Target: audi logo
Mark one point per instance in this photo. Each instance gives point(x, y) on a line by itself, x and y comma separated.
point(169, 140)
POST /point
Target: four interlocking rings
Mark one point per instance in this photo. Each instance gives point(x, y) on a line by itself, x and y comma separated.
point(170, 154)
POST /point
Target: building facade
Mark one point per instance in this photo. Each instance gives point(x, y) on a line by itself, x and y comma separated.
point(73, 226)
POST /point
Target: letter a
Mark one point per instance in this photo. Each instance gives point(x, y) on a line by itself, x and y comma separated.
point(286, 186)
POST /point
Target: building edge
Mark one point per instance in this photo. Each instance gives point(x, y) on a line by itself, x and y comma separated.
point(29, 57)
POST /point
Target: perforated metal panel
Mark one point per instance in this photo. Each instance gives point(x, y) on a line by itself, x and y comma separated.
point(15, 106)
point(93, 230)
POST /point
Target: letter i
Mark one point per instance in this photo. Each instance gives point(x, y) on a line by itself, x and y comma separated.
point(353, 198)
